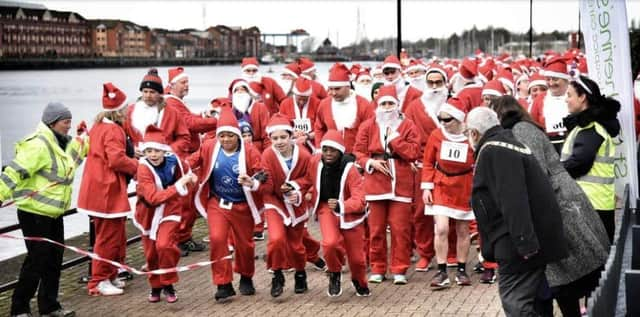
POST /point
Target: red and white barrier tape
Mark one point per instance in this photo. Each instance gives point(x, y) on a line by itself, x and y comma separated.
point(117, 264)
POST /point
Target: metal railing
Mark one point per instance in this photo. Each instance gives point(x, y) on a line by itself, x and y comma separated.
point(69, 263)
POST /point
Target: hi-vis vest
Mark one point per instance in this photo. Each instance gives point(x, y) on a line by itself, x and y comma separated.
point(41, 175)
point(598, 183)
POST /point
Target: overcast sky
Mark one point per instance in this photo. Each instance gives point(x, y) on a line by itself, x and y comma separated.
point(338, 19)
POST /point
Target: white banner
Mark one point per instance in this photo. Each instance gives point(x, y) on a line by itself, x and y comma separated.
point(604, 26)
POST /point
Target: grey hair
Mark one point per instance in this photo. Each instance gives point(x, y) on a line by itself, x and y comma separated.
point(482, 119)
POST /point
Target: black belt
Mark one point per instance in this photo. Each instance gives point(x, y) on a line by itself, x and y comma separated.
point(383, 156)
point(464, 172)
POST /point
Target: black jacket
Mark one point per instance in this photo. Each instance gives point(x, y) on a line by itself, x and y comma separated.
point(515, 206)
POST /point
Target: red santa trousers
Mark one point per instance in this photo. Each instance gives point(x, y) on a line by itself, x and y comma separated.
point(398, 216)
point(239, 222)
point(311, 246)
point(423, 225)
point(111, 244)
point(336, 242)
point(188, 218)
point(163, 253)
point(284, 247)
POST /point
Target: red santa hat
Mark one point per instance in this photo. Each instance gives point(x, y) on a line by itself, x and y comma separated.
point(154, 138)
point(455, 108)
point(238, 82)
point(279, 122)
point(249, 63)
point(292, 69)
point(494, 88)
point(302, 87)
point(355, 69)
point(436, 68)
point(387, 93)
point(176, 74)
point(391, 61)
point(537, 79)
point(376, 70)
point(363, 74)
point(469, 68)
point(113, 99)
point(505, 76)
point(306, 65)
point(227, 122)
point(333, 139)
point(556, 67)
point(485, 70)
point(416, 65)
point(339, 76)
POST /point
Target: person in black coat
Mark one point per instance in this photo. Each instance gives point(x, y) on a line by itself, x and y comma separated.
point(517, 213)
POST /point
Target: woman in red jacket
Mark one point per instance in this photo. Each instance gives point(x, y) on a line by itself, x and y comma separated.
point(230, 197)
point(386, 145)
point(103, 192)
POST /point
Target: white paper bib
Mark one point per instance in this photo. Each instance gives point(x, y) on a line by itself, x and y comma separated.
point(454, 151)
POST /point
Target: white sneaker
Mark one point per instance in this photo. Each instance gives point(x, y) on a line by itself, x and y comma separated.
point(105, 288)
point(376, 278)
point(399, 279)
point(118, 283)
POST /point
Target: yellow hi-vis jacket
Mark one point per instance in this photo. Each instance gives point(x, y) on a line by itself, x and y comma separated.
point(40, 176)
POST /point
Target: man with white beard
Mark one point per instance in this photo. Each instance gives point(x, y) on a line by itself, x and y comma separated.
point(289, 75)
point(392, 71)
point(272, 95)
point(363, 84)
point(424, 112)
point(416, 73)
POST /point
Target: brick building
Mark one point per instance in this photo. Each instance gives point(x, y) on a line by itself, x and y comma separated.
point(112, 38)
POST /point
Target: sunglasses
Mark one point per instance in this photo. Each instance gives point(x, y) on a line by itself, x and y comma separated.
point(445, 120)
point(389, 71)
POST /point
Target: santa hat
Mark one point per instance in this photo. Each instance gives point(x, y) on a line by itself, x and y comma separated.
point(387, 93)
point(306, 65)
point(334, 139)
point(363, 74)
point(455, 108)
point(220, 102)
point(338, 76)
point(152, 80)
point(176, 74)
point(279, 122)
point(391, 61)
point(238, 82)
point(154, 138)
point(469, 69)
point(292, 69)
point(582, 66)
point(435, 68)
point(113, 99)
point(537, 79)
point(227, 122)
point(505, 76)
point(302, 87)
point(249, 63)
point(494, 88)
point(485, 70)
point(355, 69)
point(556, 67)
point(521, 78)
point(416, 65)
point(376, 70)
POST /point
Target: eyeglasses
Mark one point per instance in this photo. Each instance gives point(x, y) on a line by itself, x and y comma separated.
point(389, 71)
point(445, 120)
point(435, 83)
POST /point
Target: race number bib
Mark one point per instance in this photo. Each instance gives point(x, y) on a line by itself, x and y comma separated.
point(454, 151)
point(554, 124)
point(303, 125)
point(555, 108)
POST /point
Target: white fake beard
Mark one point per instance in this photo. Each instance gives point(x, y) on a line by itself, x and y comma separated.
point(636, 89)
point(457, 83)
point(241, 101)
point(363, 90)
point(286, 85)
point(419, 83)
point(388, 117)
point(257, 77)
point(434, 96)
point(399, 83)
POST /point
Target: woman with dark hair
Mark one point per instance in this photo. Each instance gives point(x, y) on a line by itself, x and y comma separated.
point(588, 152)
point(577, 275)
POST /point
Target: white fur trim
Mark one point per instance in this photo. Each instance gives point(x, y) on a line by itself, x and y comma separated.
point(549, 73)
point(417, 67)
point(338, 83)
point(225, 128)
point(333, 144)
point(102, 214)
point(491, 92)
point(391, 65)
point(426, 185)
point(387, 98)
point(449, 212)
point(289, 72)
point(306, 93)
point(364, 77)
point(154, 145)
point(453, 111)
point(240, 83)
point(248, 66)
point(309, 70)
point(182, 190)
point(116, 108)
point(175, 79)
point(439, 71)
point(271, 129)
point(255, 185)
point(537, 83)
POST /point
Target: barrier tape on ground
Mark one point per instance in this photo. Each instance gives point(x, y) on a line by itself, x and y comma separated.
point(117, 264)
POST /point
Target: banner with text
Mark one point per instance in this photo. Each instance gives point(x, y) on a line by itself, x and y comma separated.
point(606, 35)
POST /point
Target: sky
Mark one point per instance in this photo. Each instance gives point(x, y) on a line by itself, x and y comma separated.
point(338, 19)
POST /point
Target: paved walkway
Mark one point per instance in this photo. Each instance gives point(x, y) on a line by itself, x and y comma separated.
point(195, 292)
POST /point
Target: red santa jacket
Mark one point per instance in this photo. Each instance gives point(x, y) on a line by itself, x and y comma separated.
point(302, 119)
point(448, 172)
point(325, 120)
point(169, 121)
point(318, 90)
point(426, 122)
point(404, 148)
point(103, 191)
point(259, 121)
point(250, 163)
point(277, 169)
point(196, 123)
point(272, 95)
point(351, 199)
point(156, 204)
point(471, 96)
point(408, 97)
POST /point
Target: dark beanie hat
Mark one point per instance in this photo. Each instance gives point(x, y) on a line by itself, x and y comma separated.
point(245, 127)
point(375, 87)
point(152, 80)
point(55, 111)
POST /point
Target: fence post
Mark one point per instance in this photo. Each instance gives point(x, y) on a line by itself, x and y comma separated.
point(92, 239)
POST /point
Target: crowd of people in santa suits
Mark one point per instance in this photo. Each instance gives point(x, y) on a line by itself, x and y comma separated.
point(373, 153)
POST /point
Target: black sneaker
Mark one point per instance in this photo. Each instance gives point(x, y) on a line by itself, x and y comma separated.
point(193, 246)
point(246, 286)
point(478, 268)
point(170, 294)
point(224, 292)
point(301, 282)
point(184, 249)
point(125, 276)
point(320, 265)
point(258, 236)
point(60, 312)
point(335, 289)
point(277, 283)
point(361, 291)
